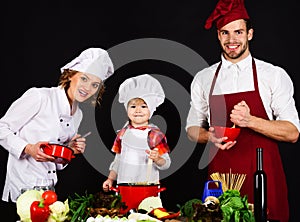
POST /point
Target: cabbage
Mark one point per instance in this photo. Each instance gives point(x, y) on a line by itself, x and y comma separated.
point(150, 203)
point(24, 202)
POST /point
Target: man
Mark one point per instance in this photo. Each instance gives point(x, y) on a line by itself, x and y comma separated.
point(248, 93)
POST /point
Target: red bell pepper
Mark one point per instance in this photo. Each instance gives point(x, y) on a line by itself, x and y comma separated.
point(39, 212)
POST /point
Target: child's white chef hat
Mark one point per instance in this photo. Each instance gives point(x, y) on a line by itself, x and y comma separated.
point(145, 87)
point(95, 61)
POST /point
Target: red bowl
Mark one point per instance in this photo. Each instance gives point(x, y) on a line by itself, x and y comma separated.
point(230, 132)
point(62, 154)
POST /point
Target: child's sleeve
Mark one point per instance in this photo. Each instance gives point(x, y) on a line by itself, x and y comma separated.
point(116, 148)
point(157, 139)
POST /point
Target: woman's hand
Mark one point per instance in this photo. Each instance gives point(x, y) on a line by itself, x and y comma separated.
point(37, 153)
point(219, 142)
point(78, 144)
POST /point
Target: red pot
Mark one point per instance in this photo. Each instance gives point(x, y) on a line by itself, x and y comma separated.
point(132, 195)
point(62, 154)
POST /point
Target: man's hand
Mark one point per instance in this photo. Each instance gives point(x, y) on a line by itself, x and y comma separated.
point(240, 115)
point(219, 142)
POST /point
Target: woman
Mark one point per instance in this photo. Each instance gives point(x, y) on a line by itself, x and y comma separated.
point(50, 115)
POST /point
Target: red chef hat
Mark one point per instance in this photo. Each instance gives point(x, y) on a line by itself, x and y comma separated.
point(225, 12)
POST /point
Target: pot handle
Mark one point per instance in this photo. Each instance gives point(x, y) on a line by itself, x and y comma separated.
point(44, 145)
point(161, 189)
point(115, 189)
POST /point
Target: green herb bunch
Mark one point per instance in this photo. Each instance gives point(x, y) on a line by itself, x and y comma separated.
point(235, 208)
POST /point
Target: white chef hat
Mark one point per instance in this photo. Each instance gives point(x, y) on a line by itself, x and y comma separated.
point(145, 87)
point(95, 61)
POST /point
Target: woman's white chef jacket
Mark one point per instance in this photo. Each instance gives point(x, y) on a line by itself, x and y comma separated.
point(275, 88)
point(40, 114)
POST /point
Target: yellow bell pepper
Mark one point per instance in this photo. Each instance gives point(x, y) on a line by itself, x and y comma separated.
point(160, 213)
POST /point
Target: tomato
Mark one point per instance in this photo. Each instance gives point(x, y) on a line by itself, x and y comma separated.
point(49, 197)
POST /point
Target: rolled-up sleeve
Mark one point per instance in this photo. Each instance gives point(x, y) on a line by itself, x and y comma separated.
point(199, 109)
point(283, 103)
point(167, 164)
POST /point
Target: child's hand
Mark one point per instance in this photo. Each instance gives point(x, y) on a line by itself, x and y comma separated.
point(107, 185)
point(153, 154)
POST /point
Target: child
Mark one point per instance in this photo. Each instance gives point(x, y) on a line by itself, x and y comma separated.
point(141, 148)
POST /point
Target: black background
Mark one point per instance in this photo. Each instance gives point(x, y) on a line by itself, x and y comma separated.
point(37, 39)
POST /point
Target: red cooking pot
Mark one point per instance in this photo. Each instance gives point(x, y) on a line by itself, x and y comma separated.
point(133, 194)
point(62, 154)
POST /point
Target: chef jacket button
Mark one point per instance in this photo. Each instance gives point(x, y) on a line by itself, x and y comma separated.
point(68, 124)
point(49, 171)
point(61, 120)
point(53, 171)
point(58, 139)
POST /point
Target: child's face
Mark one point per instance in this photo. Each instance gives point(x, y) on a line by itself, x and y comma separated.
point(138, 112)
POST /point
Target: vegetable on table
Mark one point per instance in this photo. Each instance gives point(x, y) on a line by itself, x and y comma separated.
point(235, 208)
point(160, 213)
point(59, 211)
point(187, 209)
point(142, 217)
point(24, 201)
point(150, 203)
point(39, 212)
point(90, 205)
point(78, 206)
point(49, 197)
point(212, 199)
point(230, 206)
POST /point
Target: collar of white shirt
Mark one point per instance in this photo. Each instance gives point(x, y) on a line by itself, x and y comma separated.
point(241, 65)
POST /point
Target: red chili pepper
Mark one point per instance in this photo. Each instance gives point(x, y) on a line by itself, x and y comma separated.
point(39, 212)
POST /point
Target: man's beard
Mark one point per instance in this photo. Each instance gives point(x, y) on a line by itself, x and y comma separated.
point(234, 55)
